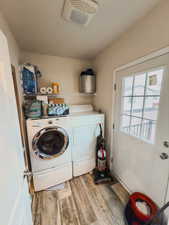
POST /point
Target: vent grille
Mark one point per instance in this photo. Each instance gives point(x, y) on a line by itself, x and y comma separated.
point(85, 6)
point(78, 17)
point(80, 11)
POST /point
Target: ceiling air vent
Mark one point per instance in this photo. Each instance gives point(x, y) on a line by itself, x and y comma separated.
point(80, 11)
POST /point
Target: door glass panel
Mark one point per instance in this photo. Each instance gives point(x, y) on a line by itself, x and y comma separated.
point(51, 142)
point(151, 107)
point(135, 126)
point(154, 80)
point(125, 123)
point(127, 105)
point(137, 106)
point(139, 84)
point(142, 104)
point(127, 86)
point(148, 130)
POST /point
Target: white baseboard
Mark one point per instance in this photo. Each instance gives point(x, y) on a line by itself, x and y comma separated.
point(120, 181)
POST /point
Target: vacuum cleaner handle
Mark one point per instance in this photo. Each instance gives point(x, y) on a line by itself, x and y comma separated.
point(161, 210)
point(101, 132)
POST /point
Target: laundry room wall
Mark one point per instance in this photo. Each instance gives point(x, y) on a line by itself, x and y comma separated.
point(66, 71)
point(147, 35)
point(14, 50)
point(14, 53)
point(12, 44)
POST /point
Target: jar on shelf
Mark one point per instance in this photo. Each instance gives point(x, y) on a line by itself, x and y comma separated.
point(56, 88)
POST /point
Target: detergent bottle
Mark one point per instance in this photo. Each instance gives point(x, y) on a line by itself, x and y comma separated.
point(56, 88)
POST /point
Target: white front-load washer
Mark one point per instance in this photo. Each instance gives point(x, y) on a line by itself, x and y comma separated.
point(50, 142)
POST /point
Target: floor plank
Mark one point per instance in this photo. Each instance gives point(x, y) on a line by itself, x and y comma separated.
point(116, 207)
point(86, 213)
point(69, 213)
point(80, 203)
point(101, 209)
point(50, 210)
point(121, 193)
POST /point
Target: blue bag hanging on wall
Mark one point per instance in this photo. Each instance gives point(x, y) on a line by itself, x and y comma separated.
point(29, 80)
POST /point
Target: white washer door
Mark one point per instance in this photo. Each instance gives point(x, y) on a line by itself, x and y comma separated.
point(50, 142)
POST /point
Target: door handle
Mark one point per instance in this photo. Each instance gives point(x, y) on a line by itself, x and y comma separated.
point(166, 144)
point(164, 156)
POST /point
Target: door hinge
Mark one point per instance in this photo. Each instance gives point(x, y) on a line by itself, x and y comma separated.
point(27, 173)
point(115, 87)
point(113, 126)
point(112, 159)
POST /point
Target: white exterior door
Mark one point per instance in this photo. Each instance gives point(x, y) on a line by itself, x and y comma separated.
point(14, 198)
point(141, 134)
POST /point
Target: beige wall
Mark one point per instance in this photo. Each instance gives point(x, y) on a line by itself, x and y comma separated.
point(13, 47)
point(149, 34)
point(14, 51)
point(63, 70)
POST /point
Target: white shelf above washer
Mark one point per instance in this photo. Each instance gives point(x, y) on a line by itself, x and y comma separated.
point(58, 95)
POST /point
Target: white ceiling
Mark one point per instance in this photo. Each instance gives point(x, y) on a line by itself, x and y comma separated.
point(39, 27)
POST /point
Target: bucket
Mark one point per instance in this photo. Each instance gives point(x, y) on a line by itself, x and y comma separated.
point(140, 209)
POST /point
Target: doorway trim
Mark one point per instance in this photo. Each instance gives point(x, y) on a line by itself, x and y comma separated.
point(139, 60)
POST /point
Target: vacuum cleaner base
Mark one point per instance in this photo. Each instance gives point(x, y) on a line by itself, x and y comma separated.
point(101, 177)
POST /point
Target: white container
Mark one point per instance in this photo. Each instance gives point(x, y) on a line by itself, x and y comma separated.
point(43, 90)
point(49, 90)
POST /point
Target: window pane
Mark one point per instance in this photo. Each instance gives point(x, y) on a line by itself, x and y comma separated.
point(126, 105)
point(135, 126)
point(127, 86)
point(151, 108)
point(137, 107)
point(125, 123)
point(148, 130)
point(139, 84)
point(154, 81)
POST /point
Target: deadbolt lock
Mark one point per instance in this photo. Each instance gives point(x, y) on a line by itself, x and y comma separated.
point(166, 144)
point(164, 156)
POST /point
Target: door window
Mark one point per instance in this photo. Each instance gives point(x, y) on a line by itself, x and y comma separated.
point(50, 142)
point(140, 104)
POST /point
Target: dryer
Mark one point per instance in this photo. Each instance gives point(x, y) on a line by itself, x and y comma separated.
point(50, 142)
point(85, 124)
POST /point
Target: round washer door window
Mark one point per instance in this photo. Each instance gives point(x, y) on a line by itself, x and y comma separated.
point(50, 142)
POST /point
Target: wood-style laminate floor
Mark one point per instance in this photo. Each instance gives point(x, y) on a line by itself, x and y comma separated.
point(83, 203)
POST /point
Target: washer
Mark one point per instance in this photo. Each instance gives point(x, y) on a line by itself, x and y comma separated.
point(50, 142)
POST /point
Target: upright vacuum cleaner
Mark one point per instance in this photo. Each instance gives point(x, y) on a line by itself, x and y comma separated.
point(101, 172)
